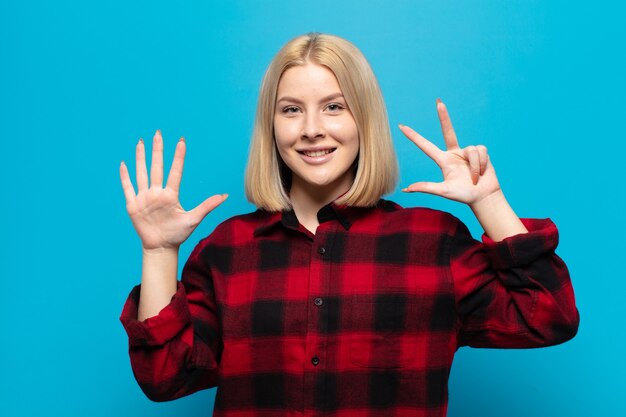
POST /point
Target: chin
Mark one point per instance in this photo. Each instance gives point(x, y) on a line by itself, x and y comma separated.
point(319, 183)
point(326, 182)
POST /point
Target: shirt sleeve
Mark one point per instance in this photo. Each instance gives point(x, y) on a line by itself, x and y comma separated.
point(176, 352)
point(515, 293)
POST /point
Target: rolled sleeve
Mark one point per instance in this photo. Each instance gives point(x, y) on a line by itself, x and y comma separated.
point(515, 293)
point(523, 249)
point(159, 329)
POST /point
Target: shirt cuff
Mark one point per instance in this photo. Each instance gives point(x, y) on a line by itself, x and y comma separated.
point(159, 329)
point(524, 248)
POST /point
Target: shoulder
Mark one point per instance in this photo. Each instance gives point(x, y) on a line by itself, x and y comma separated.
point(239, 229)
point(219, 247)
point(244, 224)
point(415, 219)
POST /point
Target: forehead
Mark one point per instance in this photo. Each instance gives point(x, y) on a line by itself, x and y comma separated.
point(307, 80)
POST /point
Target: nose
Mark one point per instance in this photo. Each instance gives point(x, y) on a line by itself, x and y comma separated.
point(312, 127)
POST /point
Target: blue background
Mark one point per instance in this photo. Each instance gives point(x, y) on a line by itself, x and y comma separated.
point(541, 84)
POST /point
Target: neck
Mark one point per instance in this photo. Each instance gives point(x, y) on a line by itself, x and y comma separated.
point(307, 201)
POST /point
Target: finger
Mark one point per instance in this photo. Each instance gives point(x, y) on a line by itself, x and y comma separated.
point(424, 144)
point(176, 171)
point(435, 188)
point(208, 205)
point(446, 126)
point(127, 185)
point(483, 157)
point(140, 163)
point(471, 154)
point(156, 169)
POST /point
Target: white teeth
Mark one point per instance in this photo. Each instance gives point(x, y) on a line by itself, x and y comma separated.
point(317, 153)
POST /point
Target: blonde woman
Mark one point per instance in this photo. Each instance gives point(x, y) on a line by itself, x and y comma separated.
point(329, 300)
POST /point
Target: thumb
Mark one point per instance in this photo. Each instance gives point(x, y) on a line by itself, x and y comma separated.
point(435, 188)
point(199, 213)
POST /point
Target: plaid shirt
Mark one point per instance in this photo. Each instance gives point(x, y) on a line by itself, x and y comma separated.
point(361, 319)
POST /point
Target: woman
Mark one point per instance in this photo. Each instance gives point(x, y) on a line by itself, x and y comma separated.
point(328, 300)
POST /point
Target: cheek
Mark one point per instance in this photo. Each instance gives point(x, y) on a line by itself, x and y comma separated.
point(282, 150)
point(352, 144)
point(279, 137)
point(344, 130)
point(283, 133)
point(355, 144)
point(282, 145)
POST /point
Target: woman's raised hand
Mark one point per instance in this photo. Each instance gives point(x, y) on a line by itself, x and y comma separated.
point(468, 175)
point(155, 211)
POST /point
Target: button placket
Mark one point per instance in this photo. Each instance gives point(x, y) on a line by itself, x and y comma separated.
point(316, 343)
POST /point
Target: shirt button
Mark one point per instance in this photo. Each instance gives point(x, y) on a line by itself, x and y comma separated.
point(321, 250)
point(315, 361)
point(318, 302)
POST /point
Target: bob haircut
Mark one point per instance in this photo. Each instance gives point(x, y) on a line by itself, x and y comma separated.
point(268, 179)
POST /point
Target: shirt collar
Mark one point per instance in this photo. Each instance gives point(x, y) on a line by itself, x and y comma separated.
point(345, 215)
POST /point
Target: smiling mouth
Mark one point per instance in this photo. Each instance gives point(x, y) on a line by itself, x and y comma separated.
point(320, 152)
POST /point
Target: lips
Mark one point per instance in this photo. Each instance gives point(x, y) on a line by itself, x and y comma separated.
point(317, 156)
point(316, 152)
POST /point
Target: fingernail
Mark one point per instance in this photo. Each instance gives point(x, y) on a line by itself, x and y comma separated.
point(140, 140)
point(158, 132)
point(122, 164)
point(224, 196)
point(438, 101)
point(400, 125)
point(182, 139)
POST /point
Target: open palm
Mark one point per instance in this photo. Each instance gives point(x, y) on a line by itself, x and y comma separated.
point(155, 211)
point(468, 175)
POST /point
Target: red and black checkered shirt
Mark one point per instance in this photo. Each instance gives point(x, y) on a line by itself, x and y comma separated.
point(361, 319)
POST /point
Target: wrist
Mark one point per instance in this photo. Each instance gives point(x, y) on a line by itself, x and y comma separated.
point(489, 202)
point(497, 217)
point(159, 252)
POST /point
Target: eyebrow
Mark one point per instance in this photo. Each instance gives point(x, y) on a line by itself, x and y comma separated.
point(295, 100)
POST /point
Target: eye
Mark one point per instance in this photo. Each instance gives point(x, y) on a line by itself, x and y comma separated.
point(290, 109)
point(334, 107)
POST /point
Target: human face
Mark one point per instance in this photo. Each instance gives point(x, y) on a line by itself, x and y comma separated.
point(315, 132)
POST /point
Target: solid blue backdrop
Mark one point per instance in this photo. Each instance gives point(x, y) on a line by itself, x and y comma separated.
point(541, 84)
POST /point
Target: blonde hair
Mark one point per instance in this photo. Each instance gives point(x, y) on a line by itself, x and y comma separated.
point(267, 177)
